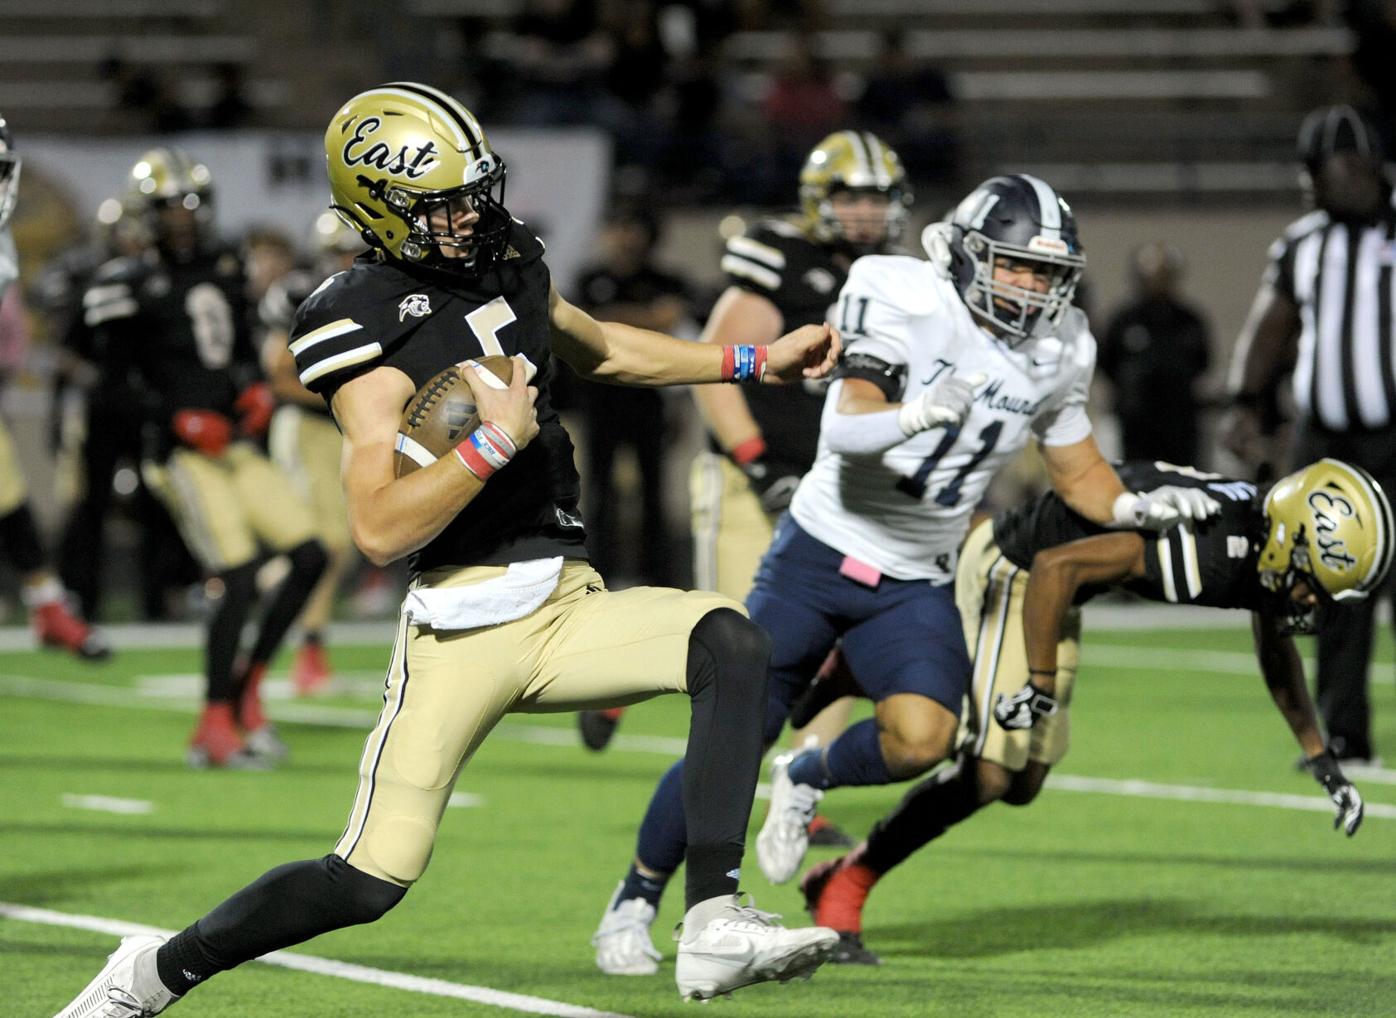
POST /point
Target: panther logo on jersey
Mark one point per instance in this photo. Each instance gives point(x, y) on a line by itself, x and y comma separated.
point(418, 305)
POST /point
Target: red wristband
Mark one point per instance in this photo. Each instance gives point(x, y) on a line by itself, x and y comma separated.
point(746, 452)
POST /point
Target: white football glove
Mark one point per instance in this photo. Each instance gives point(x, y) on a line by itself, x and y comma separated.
point(1163, 507)
point(946, 403)
point(1347, 801)
point(1021, 710)
point(936, 238)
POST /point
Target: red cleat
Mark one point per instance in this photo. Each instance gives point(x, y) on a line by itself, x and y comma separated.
point(216, 741)
point(56, 626)
point(835, 892)
point(251, 716)
point(310, 673)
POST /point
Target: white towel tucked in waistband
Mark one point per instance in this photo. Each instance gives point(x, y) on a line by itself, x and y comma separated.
point(519, 592)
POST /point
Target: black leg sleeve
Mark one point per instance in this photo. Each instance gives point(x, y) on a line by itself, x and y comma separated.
point(924, 814)
point(21, 540)
point(283, 907)
point(308, 562)
point(727, 659)
point(225, 630)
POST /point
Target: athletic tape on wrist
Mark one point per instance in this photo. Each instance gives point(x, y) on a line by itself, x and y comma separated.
point(485, 450)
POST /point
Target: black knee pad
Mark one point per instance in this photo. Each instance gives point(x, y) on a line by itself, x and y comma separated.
point(727, 637)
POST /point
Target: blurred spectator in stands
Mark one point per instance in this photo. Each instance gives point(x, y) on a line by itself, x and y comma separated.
point(560, 59)
point(145, 98)
point(910, 104)
point(1373, 23)
point(1155, 350)
point(230, 108)
point(626, 286)
point(802, 104)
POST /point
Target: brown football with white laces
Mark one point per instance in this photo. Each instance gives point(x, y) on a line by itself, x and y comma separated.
point(442, 414)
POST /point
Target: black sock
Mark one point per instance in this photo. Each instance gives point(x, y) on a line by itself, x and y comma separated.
point(727, 659)
point(923, 815)
point(283, 907)
point(639, 885)
point(21, 540)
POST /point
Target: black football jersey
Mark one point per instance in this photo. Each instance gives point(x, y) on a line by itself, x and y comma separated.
point(1209, 562)
point(422, 321)
point(777, 260)
point(181, 327)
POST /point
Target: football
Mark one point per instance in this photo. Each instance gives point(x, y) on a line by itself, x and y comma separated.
point(442, 413)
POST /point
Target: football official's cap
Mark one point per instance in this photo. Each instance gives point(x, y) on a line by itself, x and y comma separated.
point(1334, 129)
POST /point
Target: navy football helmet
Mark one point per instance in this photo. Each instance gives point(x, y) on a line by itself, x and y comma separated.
point(1015, 220)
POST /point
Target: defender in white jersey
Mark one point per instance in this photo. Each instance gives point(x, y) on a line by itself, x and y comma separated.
point(951, 365)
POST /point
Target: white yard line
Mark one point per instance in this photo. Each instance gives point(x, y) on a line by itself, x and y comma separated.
point(108, 804)
point(326, 716)
point(326, 967)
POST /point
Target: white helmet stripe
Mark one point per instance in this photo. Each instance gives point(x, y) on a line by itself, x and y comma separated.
point(877, 155)
point(462, 124)
point(1047, 204)
point(858, 143)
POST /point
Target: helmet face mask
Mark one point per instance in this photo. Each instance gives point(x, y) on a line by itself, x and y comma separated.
point(413, 173)
point(9, 173)
point(845, 165)
point(1329, 526)
point(1008, 227)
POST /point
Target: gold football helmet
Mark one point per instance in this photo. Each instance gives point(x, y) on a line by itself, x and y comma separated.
point(1331, 525)
point(167, 178)
point(853, 161)
point(407, 163)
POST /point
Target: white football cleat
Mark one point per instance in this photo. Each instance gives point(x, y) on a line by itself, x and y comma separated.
point(784, 837)
point(622, 941)
point(128, 987)
point(726, 945)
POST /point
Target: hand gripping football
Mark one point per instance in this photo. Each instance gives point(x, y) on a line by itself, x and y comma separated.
point(442, 414)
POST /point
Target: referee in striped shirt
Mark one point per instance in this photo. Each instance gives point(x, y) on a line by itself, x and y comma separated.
point(1325, 309)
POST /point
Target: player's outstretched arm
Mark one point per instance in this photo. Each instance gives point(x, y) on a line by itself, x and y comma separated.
point(1283, 671)
point(1088, 483)
point(389, 517)
point(611, 352)
point(1053, 581)
point(1267, 346)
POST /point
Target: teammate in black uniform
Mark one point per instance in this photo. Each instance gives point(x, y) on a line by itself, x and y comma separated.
point(1319, 536)
point(304, 441)
point(176, 317)
point(782, 272)
point(504, 614)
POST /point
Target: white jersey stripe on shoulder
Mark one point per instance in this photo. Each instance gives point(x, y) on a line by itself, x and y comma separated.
point(1047, 203)
point(745, 269)
point(1165, 567)
point(757, 252)
point(339, 327)
point(1191, 572)
point(99, 313)
point(347, 359)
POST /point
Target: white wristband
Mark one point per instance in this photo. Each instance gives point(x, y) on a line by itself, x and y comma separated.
point(1125, 514)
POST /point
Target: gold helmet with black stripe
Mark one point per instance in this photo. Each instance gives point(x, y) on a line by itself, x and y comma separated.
point(412, 172)
point(1329, 525)
point(853, 163)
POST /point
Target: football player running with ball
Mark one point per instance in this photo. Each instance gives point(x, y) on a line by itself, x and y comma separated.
point(1320, 537)
point(504, 613)
point(952, 364)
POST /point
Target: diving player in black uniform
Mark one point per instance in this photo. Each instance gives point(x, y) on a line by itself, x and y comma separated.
point(504, 614)
point(1320, 536)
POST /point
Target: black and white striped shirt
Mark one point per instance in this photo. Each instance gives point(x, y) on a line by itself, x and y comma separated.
point(1340, 276)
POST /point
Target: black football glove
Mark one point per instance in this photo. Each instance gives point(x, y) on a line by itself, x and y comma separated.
point(1023, 708)
point(774, 482)
point(1344, 794)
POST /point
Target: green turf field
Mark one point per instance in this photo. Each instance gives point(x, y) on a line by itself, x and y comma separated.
point(1090, 902)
